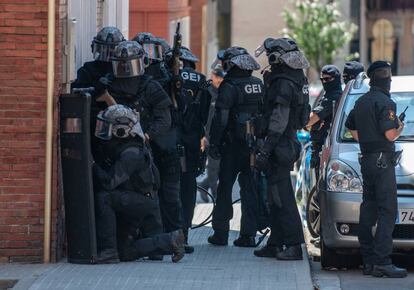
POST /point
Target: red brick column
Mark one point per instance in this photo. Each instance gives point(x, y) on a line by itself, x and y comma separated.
point(23, 54)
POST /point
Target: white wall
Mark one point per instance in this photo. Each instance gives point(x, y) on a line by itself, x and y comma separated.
point(85, 12)
point(184, 30)
point(116, 13)
point(254, 21)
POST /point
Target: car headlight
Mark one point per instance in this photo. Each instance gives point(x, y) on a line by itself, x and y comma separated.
point(342, 178)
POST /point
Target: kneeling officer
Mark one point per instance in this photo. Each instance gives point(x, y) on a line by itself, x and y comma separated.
point(128, 182)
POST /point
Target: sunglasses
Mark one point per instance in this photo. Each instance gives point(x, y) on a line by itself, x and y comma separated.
point(326, 79)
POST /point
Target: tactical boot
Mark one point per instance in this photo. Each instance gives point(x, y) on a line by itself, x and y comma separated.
point(188, 249)
point(389, 271)
point(177, 242)
point(367, 269)
point(291, 253)
point(107, 256)
point(219, 238)
point(268, 251)
point(245, 242)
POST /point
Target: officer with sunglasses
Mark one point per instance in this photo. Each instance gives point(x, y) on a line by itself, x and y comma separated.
point(322, 115)
point(374, 124)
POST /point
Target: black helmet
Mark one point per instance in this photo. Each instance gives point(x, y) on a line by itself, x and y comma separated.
point(236, 56)
point(155, 47)
point(283, 51)
point(185, 56)
point(118, 121)
point(351, 70)
point(104, 43)
point(128, 60)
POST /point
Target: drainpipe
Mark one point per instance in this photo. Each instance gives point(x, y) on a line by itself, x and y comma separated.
point(363, 42)
point(49, 128)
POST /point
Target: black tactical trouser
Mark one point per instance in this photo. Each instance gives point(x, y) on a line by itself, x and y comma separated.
point(168, 164)
point(127, 209)
point(188, 191)
point(285, 222)
point(379, 206)
point(235, 162)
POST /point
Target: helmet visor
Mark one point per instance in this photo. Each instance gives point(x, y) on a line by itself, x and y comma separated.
point(103, 128)
point(102, 52)
point(128, 68)
point(154, 51)
point(259, 50)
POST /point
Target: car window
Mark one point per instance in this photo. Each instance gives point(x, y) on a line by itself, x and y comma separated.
point(401, 99)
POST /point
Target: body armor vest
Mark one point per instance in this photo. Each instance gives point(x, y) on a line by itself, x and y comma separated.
point(250, 99)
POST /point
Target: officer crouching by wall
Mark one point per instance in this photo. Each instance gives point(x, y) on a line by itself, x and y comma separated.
point(374, 124)
point(238, 100)
point(287, 102)
point(127, 189)
point(129, 85)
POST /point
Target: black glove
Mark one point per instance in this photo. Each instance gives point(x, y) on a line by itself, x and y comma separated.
point(214, 152)
point(262, 161)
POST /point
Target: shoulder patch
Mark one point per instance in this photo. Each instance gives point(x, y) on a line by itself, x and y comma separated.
point(391, 115)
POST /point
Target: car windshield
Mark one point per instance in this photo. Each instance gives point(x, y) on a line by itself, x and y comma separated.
point(401, 99)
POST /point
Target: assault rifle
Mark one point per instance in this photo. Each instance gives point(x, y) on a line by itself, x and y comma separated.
point(256, 178)
point(176, 82)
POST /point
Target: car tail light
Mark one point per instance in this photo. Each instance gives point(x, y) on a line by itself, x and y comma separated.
point(342, 178)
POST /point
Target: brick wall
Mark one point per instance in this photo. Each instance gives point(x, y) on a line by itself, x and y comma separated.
point(23, 80)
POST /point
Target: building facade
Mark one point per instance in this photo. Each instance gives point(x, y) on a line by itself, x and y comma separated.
point(23, 114)
point(197, 18)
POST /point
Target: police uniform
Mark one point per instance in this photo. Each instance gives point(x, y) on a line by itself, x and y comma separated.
point(130, 183)
point(126, 191)
point(287, 109)
point(238, 101)
point(194, 109)
point(374, 114)
point(325, 109)
point(91, 72)
point(285, 87)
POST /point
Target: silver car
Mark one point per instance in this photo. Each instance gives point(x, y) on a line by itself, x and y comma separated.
point(339, 190)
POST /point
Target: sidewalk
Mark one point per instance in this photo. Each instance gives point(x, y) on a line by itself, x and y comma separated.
point(209, 267)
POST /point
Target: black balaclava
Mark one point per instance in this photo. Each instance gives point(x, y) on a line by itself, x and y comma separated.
point(352, 69)
point(379, 73)
point(333, 86)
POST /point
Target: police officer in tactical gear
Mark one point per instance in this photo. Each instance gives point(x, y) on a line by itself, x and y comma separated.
point(213, 165)
point(287, 110)
point(322, 115)
point(88, 75)
point(155, 48)
point(374, 124)
point(351, 70)
point(146, 93)
point(132, 87)
point(193, 107)
point(127, 189)
point(239, 97)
